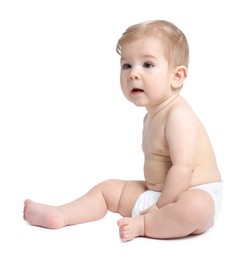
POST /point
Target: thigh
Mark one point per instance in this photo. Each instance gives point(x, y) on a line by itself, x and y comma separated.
point(131, 191)
point(119, 195)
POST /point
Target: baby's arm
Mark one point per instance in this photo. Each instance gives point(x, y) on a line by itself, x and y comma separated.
point(182, 137)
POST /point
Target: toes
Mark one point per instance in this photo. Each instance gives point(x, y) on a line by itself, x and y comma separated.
point(126, 236)
point(120, 222)
point(123, 222)
point(24, 216)
point(24, 211)
point(124, 232)
point(26, 202)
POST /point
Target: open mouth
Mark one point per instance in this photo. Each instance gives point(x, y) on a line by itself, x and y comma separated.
point(137, 90)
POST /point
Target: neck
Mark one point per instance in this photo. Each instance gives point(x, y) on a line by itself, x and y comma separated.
point(153, 110)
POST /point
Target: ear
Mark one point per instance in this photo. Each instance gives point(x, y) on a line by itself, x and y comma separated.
point(178, 76)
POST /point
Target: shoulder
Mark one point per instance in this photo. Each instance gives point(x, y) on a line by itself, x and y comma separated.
point(180, 111)
point(182, 126)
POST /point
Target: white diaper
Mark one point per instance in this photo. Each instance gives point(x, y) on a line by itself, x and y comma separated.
point(150, 197)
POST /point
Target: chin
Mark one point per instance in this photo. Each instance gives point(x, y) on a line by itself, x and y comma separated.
point(138, 104)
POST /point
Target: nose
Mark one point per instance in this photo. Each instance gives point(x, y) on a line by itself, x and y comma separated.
point(134, 75)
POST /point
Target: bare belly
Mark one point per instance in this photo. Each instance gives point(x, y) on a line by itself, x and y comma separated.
point(155, 173)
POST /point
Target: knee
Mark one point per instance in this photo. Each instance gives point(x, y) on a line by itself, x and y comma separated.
point(203, 210)
point(110, 185)
point(199, 211)
point(109, 182)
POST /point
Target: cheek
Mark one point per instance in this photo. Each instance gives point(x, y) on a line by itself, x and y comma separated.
point(158, 88)
point(123, 81)
point(124, 87)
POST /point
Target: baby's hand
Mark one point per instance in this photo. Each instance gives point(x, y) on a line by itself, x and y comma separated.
point(151, 209)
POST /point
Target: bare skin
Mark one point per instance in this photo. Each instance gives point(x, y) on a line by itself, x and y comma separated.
point(178, 156)
point(114, 195)
point(47, 216)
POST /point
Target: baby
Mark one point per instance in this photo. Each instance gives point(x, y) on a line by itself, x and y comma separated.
point(181, 191)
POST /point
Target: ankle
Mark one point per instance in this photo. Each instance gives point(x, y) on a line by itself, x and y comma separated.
point(63, 216)
point(142, 225)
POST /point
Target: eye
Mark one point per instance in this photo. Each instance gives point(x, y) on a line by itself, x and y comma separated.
point(148, 65)
point(126, 66)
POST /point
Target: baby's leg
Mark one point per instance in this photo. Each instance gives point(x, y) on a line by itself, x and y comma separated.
point(193, 213)
point(38, 214)
point(90, 207)
point(108, 195)
point(129, 228)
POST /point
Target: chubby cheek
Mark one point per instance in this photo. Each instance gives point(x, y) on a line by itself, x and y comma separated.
point(125, 89)
point(124, 86)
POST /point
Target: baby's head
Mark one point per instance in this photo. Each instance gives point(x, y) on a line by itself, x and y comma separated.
point(174, 40)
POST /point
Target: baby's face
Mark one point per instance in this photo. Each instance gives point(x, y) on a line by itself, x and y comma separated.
point(145, 73)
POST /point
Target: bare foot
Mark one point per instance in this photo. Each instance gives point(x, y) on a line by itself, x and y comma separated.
point(43, 215)
point(129, 228)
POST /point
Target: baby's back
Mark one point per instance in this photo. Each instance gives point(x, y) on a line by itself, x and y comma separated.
point(157, 151)
point(206, 169)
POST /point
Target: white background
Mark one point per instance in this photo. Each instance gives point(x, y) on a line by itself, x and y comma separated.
point(65, 125)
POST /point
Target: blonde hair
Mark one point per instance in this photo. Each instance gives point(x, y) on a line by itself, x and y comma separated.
point(175, 42)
